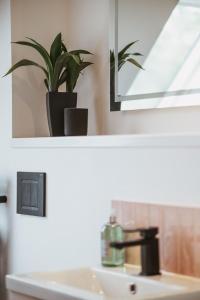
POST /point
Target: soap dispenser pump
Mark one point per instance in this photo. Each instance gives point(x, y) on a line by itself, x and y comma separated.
point(112, 232)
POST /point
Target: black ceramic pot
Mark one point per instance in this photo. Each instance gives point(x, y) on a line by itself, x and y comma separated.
point(56, 102)
point(75, 121)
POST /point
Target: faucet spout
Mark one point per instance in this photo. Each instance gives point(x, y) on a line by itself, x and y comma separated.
point(121, 245)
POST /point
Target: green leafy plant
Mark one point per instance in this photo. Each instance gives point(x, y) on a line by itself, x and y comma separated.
point(60, 66)
point(73, 68)
point(125, 57)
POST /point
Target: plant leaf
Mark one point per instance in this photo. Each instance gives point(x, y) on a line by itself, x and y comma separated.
point(76, 58)
point(84, 65)
point(126, 48)
point(63, 77)
point(24, 63)
point(56, 48)
point(64, 47)
point(112, 60)
point(46, 84)
point(61, 63)
point(136, 54)
point(73, 72)
point(42, 51)
point(126, 55)
point(135, 63)
point(80, 51)
point(45, 56)
point(120, 64)
point(112, 56)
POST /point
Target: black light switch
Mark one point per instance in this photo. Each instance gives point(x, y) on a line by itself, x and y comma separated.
point(31, 193)
point(3, 199)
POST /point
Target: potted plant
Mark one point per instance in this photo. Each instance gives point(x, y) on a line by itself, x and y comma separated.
point(60, 66)
point(123, 58)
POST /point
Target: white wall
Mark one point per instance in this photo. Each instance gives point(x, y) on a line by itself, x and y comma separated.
point(82, 182)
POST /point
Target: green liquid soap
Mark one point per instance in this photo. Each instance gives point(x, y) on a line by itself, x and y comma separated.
point(112, 232)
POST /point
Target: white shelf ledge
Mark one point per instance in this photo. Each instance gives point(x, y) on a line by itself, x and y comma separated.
point(111, 141)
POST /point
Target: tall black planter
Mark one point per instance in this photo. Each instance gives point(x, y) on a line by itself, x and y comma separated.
point(56, 102)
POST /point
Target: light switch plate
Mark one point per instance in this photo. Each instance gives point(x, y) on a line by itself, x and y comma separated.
point(31, 193)
point(3, 199)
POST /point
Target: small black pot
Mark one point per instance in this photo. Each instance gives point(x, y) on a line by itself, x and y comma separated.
point(56, 102)
point(75, 121)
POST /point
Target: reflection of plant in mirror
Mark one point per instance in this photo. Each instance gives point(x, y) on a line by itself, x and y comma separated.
point(124, 57)
point(61, 66)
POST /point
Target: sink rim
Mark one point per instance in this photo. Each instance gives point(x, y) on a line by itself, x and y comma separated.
point(29, 284)
point(36, 288)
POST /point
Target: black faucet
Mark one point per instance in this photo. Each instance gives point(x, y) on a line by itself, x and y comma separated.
point(149, 249)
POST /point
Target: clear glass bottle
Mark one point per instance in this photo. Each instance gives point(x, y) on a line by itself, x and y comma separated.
point(112, 232)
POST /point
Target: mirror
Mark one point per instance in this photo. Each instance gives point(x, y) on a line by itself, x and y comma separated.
point(160, 67)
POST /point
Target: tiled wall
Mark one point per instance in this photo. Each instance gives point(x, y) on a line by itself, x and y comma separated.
point(179, 233)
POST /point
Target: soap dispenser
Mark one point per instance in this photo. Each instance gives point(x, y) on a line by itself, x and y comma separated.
point(112, 232)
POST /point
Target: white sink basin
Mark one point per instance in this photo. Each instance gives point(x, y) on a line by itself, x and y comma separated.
point(101, 284)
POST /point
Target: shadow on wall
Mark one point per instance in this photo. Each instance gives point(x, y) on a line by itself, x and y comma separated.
point(33, 121)
point(101, 87)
